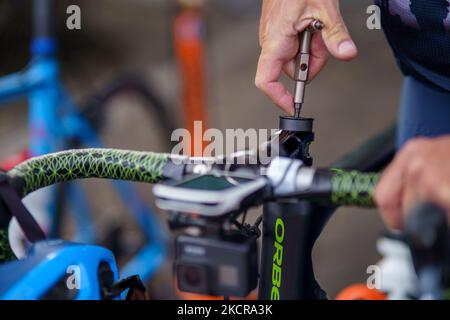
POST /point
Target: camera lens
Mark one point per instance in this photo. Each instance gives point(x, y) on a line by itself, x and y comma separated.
point(192, 278)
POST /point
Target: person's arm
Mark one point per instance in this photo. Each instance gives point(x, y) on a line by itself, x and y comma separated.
point(419, 173)
point(281, 22)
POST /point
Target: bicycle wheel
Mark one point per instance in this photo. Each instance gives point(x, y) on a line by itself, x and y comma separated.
point(126, 114)
point(95, 108)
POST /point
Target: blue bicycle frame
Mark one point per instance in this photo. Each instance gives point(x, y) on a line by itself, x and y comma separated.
point(49, 263)
point(54, 120)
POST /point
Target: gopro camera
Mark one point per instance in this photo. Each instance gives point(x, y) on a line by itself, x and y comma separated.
point(225, 266)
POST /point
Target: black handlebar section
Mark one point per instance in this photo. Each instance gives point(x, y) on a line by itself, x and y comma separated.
point(42, 18)
point(427, 234)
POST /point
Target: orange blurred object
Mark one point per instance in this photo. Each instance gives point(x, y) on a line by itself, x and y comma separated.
point(190, 54)
point(360, 292)
point(192, 296)
point(188, 30)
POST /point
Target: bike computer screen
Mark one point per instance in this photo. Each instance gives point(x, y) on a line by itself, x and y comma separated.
point(210, 182)
point(209, 195)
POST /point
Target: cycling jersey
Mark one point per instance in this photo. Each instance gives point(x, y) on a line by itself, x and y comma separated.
point(419, 33)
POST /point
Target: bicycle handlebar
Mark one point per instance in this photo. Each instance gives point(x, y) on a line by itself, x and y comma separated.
point(427, 234)
point(46, 170)
point(336, 187)
point(353, 188)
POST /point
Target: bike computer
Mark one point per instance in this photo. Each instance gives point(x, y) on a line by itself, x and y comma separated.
point(211, 194)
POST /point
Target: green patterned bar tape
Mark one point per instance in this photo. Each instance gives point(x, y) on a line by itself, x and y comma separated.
point(353, 188)
point(69, 165)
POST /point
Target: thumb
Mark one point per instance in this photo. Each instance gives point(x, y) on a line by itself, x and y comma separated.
point(336, 36)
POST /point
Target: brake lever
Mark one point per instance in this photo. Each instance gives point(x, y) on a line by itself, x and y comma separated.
point(134, 285)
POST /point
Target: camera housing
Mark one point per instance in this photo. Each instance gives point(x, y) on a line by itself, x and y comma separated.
point(221, 266)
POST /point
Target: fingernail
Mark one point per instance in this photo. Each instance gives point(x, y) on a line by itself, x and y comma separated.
point(346, 46)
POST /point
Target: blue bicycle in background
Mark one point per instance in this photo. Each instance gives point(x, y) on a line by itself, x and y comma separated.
point(56, 122)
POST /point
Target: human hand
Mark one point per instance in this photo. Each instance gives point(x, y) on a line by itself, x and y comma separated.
point(281, 22)
point(419, 173)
